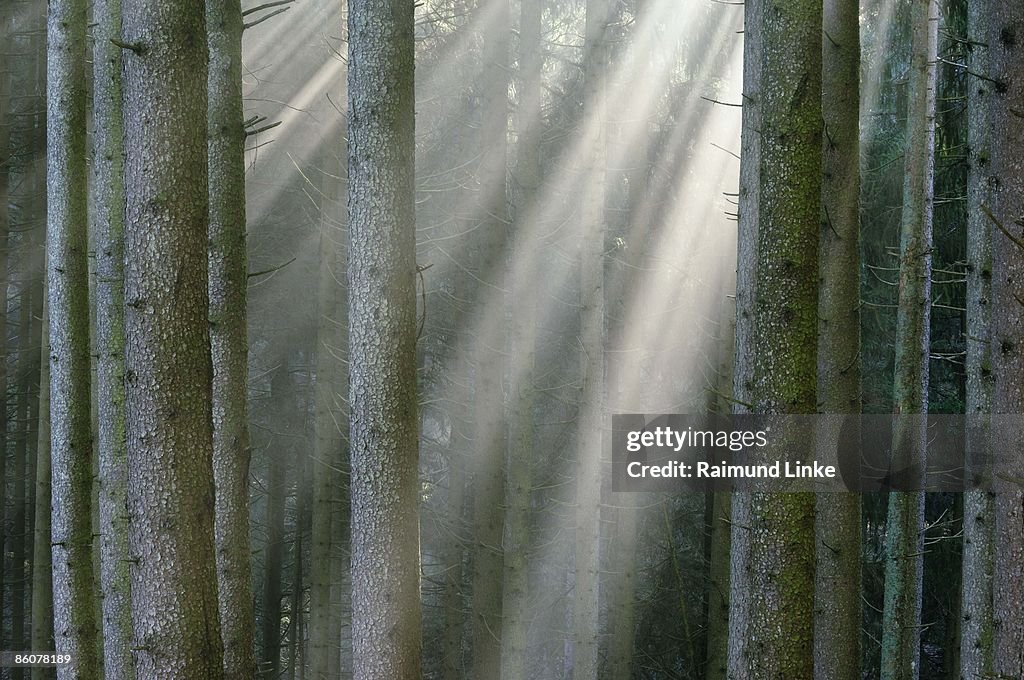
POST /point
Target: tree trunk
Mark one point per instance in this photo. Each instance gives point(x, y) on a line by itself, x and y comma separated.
point(296, 610)
point(979, 511)
point(904, 564)
point(746, 282)
point(837, 622)
point(490, 433)
point(108, 202)
point(68, 286)
point(779, 623)
point(1006, 54)
point(589, 450)
point(167, 349)
point(228, 339)
point(382, 343)
point(42, 574)
point(519, 477)
point(280, 453)
point(716, 667)
point(328, 483)
point(28, 370)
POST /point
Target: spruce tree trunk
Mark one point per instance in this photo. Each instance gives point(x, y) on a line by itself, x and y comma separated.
point(489, 406)
point(589, 452)
point(42, 573)
point(522, 301)
point(717, 653)
point(979, 511)
point(328, 483)
point(837, 622)
point(27, 372)
point(108, 202)
point(904, 564)
point(228, 338)
point(382, 343)
point(778, 624)
point(746, 286)
point(279, 455)
point(68, 286)
point(1006, 52)
point(168, 408)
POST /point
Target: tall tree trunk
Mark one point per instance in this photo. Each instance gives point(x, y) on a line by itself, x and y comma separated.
point(296, 610)
point(719, 506)
point(167, 349)
point(589, 450)
point(779, 622)
point(746, 286)
point(68, 286)
point(490, 433)
point(6, 157)
point(519, 478)
point(108, 202)
point(979, 511)
point(837, 622)
point(228, 339)
point(904, 562)
point(42, 574)
point(382, 343)
point(279, 455)
point(1006, 52)
point(22, 455)
point(329, 424)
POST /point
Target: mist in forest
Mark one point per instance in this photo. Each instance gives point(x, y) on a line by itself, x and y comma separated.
point(667, 179)
point(317, 314)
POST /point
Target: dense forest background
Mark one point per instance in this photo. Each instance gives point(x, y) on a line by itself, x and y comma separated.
point(314, 315)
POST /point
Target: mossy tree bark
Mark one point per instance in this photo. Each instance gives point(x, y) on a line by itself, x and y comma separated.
point(837, 622)
point(68, 287)
point(167, 347)
point(382, 343)
point(778, 623)
point(904, 563)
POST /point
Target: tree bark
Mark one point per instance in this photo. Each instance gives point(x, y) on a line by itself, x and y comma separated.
point(68, 286)
point(228, 336)
point(746, 286)
point(382, 343)
point(979, 511)
point(837, 621)
point(167, 348)
point(109, 205)
point(778, 626)
point(904, 564)
point(1006, 54)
